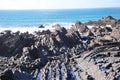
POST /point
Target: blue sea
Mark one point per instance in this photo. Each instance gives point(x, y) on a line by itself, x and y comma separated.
point(34, 18)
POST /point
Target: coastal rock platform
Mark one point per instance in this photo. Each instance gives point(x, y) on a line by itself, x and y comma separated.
point(79, 53)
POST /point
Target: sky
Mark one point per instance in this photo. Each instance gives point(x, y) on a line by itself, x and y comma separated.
point(57, 4)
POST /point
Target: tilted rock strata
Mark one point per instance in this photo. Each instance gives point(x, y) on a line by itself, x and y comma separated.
point(78, 53)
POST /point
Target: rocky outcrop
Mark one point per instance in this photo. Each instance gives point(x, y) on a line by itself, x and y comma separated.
point(116, 33)
point(11, 44)
point(7, 75)
point(62, 54)
point(79, 27)
point(109, 20)
point(118, 24)
point(41, 26)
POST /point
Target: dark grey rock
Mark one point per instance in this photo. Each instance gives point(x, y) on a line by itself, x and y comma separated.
point(41, 26)
point(55, 54)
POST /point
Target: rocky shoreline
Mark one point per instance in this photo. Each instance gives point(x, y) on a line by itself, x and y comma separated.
point(78, 53)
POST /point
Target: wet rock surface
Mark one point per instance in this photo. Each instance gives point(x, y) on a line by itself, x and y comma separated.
point(78, 53)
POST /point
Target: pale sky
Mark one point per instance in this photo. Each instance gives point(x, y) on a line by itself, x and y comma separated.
point(57, 4)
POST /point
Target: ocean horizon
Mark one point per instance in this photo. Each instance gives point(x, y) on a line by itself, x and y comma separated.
point(49, 17)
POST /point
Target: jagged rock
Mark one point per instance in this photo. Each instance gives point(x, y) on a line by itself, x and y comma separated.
point(107, 38)
point(22, 76)
point(12, 44)
point(109, 20)
point(77, 24)
point(88, 33)
point(91, 23)
point(79, 27)
point(118, 24)
point(43, 32)
point(90, 77)
point(59, 28)
point(7, 75)
point(108, 29)
point(56, 26)
point(41, 26)
point(115, 33)
point(82, 28)
point(75, 53)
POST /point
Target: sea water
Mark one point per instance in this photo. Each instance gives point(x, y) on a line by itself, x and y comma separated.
point(65, 17)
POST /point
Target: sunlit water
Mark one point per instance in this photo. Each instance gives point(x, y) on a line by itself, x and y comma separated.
point(34, 18)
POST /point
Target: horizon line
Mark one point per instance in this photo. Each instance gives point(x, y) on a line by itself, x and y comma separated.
point(64, 8)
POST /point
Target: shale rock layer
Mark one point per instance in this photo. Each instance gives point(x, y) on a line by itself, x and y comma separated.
point(78, 53)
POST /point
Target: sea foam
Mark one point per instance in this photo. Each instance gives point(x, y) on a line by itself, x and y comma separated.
point(25, 29)
point(32, 29)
